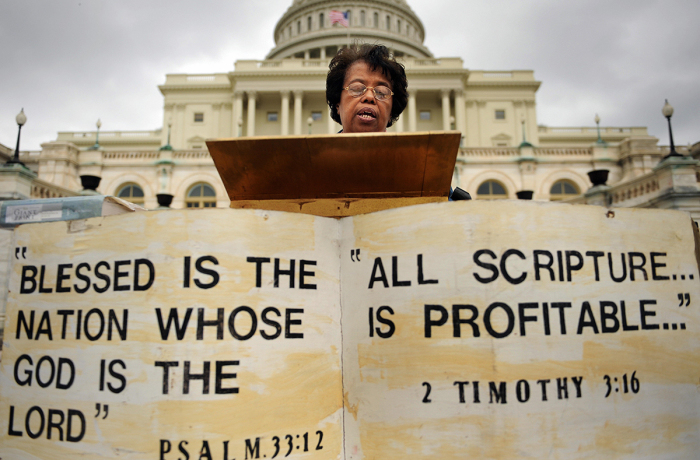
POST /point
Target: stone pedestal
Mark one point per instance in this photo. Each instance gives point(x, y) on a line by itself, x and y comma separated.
point(16, 182)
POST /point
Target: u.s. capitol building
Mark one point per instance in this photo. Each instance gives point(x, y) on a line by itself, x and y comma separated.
point(504, 150)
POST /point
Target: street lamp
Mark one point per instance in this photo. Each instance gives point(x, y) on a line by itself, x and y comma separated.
point(600, 140)
point(97, 136)
point(667, 110)
point(167, 146)
point(524, 143)
point(21, 119)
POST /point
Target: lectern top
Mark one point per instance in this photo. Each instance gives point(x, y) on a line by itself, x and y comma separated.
point(372, 165)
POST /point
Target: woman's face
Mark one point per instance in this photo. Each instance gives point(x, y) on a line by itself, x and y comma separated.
point(364, 114)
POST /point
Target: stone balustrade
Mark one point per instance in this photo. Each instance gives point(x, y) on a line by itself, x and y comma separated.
point(43, 189)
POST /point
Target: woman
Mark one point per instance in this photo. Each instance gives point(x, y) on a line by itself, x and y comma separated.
point(366, 88)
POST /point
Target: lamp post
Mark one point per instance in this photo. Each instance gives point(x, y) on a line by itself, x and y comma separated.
point(167, 145)
point(310, 121)
point(240, 127)
point(21, 119)
point(97, 136)
point(667, 111)
point(600, 140)
point(524, 143)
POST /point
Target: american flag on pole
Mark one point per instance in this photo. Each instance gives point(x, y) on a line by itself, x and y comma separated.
point(338, 17)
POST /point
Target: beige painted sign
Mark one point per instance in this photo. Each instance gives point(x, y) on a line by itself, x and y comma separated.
point(453, 330)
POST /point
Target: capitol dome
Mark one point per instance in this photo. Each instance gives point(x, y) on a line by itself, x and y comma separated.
point(305, 30)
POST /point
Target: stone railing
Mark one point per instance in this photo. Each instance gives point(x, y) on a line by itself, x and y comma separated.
point(202, 154)
point(638, 188)
point(563, 151)
point(155, 155)
point(43, 189)
point(469, 152)
point(131, 155)
point(308, 64)
point(634, 130)
point(196, 79)
point(514, 152)
point(80, 135)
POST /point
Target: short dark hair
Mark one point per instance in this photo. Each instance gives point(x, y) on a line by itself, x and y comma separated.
point(376, 57)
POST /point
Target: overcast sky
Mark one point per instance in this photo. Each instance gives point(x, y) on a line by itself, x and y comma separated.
point(69, 63)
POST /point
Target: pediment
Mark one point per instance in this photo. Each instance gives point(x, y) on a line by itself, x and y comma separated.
point(501, 137)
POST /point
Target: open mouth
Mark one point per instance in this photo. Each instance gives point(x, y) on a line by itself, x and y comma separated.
point(367, 115)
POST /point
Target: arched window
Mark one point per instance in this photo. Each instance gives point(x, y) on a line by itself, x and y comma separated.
point(348, 14)
point(298, 27)
point(308, 23)
point(398, 26)
point(320, 21)
point(201, 196)
point(491, 190)
point(563, 189)
point(376, 20)
point(362, 18)
point(131, 192)
point(388, 22)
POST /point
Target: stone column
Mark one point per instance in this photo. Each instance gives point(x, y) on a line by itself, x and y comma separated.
point(399, 123)
point(533, 136)
point(297, 111)
point(412, 126)
point(179, 127)
point(215, 129)
point(445, 94)
point(471, 137)
point(332, 125)
point(323, 52)
point(307, 55)
point(460, 115)
point(480, 135)
point(168, 112)
point(251, 113)
point(284, 113)
point(237, 113)
point(518, 115)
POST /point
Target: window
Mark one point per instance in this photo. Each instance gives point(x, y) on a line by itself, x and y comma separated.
point(289, 30)
point(500, 114)
point(308, 23)
point(424, 115)
point(398, 26)
point(271, 116)
point(201, 196)
point(196, 146)
point(198, 117)
point(315, 116)
point(388, 22)
point(348, 13)
point(376, 20)
point(563, 189)
point(320, 21)
point(491, 190)
point(131, 192)
point(362, 18)
point(298, 27)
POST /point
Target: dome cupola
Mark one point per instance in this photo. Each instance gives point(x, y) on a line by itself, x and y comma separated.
point(305, 30)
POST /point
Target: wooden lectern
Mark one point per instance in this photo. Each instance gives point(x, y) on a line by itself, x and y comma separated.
point(339, 174)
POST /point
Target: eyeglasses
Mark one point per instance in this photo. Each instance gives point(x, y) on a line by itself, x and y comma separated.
point(381, 93)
